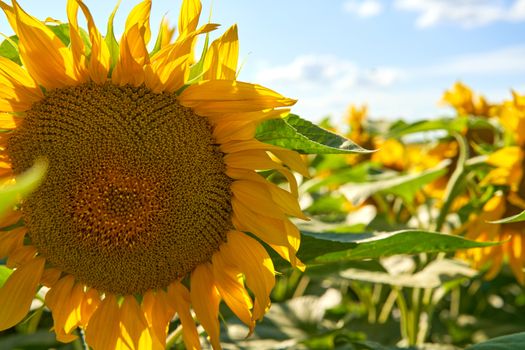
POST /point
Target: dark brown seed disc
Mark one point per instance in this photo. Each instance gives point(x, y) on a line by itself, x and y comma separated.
point(136, 194)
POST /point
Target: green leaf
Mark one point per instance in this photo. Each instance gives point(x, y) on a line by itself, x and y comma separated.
point(514, 218)
point(5, 272)
point(42, 339)
point(158, 42)
point(304, 137)
point(322, 248)
point(507, 342)
point(404, 186)
point(456, 124)
point(61, 31)
point(197, 70)
point(9, 50)
point(111, 42)
point(434, 275)
point(355, 173)
point(25, 183)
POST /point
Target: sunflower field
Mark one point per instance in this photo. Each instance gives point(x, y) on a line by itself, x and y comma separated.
point(151, 200)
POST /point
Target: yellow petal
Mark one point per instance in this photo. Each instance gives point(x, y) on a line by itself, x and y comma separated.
point(282, 237)
point(169, 68)
point(20, 256)
point(11, 217)
point(158, 312)
point(234, 131)
point(50, 277)
point(100, 59)
point(270, 230)
point(133, 57)
point(255, 263)
point(165, 33)
point(179, 298)
point(284, 199)
point(8, 121)
point(231, 288)
point(18, 292)
point(11, 240)
point(103, 329)
point(90, 303)
point(226, 96)
point(76, 42)
point(139, 16)
point(189, 16)
point(44, 55)
point(10, 14)
point(294, 239)
point(254, 196)
point(18, 90)
point(506, 157)
point(223, 54)
point(256, 117)
point(57, 299)
point(291, 158)
point(134, 327)
point(205, 300)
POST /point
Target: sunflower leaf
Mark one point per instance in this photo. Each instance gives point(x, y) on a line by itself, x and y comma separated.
point(507, 342)
point(197, 70)
point(456, 124)
point(337, 247)
point(514, 218)
point(5, 272)
point(25, 183)
point(61, 31)
point(303, 136)
point(404, 186)
point(9, 50)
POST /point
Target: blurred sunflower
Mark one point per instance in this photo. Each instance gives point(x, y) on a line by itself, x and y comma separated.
point(508, 165)
point(465, 102)
point(152, 181)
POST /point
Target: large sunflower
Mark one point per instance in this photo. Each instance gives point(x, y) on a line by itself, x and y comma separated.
point(151, 185)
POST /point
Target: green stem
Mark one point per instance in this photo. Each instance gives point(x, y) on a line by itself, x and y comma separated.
point(174, 337)
point(82, 338)
point(387, 306)
point(455, 182)
point(403, 309)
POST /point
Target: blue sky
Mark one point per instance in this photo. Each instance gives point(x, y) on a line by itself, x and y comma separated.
point(396, 56)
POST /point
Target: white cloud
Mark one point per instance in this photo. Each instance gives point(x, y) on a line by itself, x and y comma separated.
point(326, 84)
point(329, 71)
point(364, 8)
point(466, 13)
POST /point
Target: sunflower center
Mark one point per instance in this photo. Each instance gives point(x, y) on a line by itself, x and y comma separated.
point(136, 194)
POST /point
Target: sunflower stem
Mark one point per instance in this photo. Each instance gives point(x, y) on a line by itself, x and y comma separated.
point(82, 338)
point(173, 337)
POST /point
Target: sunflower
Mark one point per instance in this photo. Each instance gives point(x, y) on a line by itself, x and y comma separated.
point(508, 163)
point(465, 102)
point(152, 183)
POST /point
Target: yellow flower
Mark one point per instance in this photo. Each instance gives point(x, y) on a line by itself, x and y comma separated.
point(508, 171)
point(480, 229)
point(465, 102)
point(508, 167)
point(152, 181)
point(390, 153)
point(355, 118)
point(512, 117)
